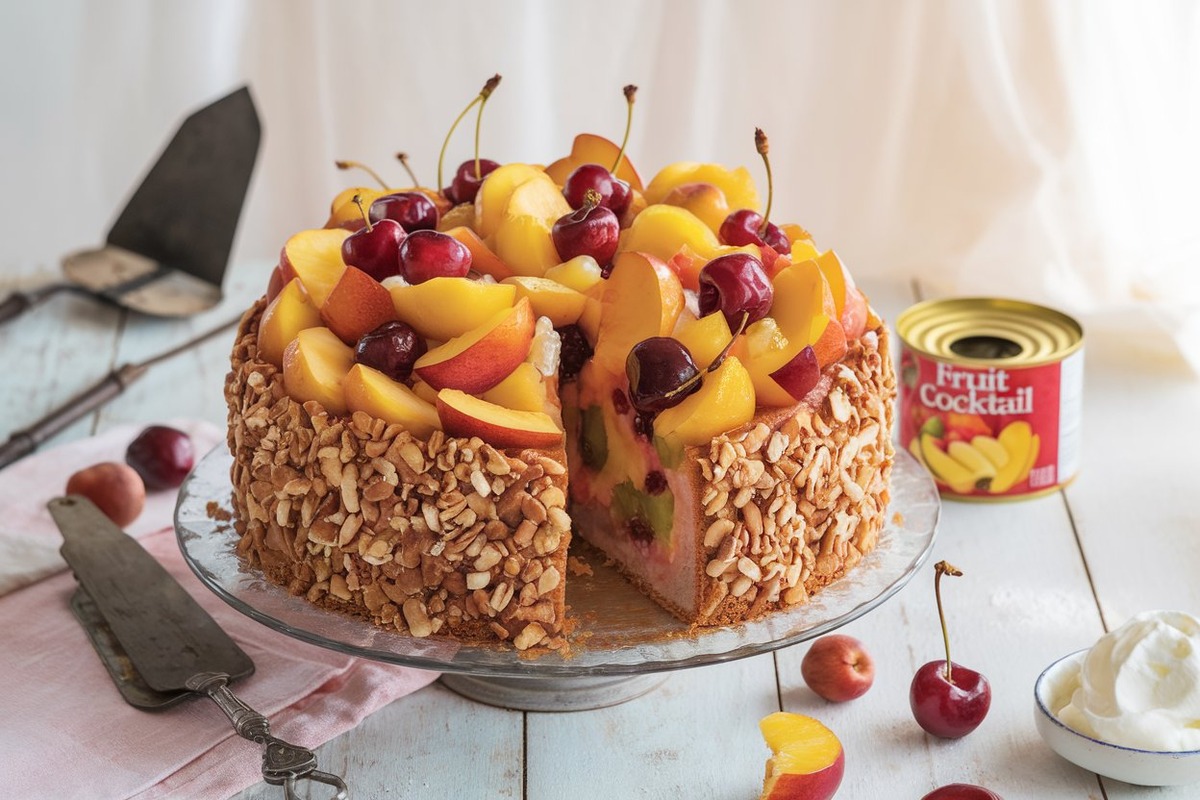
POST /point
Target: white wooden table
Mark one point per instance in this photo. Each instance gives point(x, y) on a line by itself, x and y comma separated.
point(1043, 578)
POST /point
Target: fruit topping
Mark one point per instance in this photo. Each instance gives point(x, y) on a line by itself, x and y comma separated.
point(424, 306)
point(799, 375)
point(412, 211)
point(373, 247)
point(838, 668)
point(807, 761)
point(642, 298)
point(357, 305)
point(735, 285)
point(116, 489)
point(658, 368)
point(948, 700)
point(470, 174)
point(289, 313)
point(314, 366)
point(592, 230)
point(428, 254)
point(465, 415)
point(746, 226)
point(392, 348)
point(378, 395)
point(482, 357)
point(614, 192)
point(575, 352)
point(724, 401)
point(162, 456)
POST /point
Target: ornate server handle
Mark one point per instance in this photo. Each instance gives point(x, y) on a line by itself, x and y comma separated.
point(283, 763)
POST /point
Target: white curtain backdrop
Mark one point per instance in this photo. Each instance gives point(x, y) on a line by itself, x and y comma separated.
point(1044, 150)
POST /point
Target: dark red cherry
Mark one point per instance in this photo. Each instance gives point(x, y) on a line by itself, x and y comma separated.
point(742, 227)
point(465, 185)
point(614, 192)
point(412, 210)
point(592, 230)
point(430, 254)
point(735, 284)
point(657, 367)
point(392, 348)
point(962, 791)
point(163, 456)
point(373, 249)
point(949, 708)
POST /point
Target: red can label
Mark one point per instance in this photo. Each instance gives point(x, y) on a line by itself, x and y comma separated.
point(992, 432)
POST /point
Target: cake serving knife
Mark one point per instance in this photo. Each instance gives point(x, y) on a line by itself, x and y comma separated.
point(158, 644)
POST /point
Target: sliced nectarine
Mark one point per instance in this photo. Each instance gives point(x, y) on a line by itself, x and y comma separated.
point(482, 258)
point(662, 231)
point(580, 273)
point(551, 299)
point(315, 257)
point(371, 391)
point(588, 148)
point(704, 200)
point(442, 308)
point(494, 192)
point(735, 184)
point(357, 305)
point(724, 401)
point(705, 337)
point(807, 761)
point(482, 357)
point(288, 314)
point(828, 340)
point(642, 298)
point(314, 366)
point(424, 391)
point(801, 294)
point(465, 415)
point(523, 390)
point(766, 350)
point(526, 245)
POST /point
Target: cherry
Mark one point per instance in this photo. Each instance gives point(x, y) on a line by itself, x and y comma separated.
point(744, 226)
point(947, 699)
point(962, 791)
point(470, 174)
point(657, 367)
point(374, 248)
point(162, 456)
point(392, 348)
point(614, 192)
point(430, 254)
point(592, 230)
point(735, 284)
point(574, 354)
point(412, 210)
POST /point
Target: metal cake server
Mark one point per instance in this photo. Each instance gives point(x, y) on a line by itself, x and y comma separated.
point(158, 643)
point(167, 252)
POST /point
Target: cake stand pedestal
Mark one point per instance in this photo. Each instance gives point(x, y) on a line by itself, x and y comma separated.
point(553, 694)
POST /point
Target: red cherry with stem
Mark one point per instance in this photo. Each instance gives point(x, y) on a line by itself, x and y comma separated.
point(430, 254)
point(614, 192)
point(412, 210)
point(470, 173)
point(735, 284)
point(592, 230)
point(374, 249)
point(947, 699)
point(162, 456)
point(392, 348)
point(657, 395)
point(962, 791)
point(744, 226)
point(656, 367)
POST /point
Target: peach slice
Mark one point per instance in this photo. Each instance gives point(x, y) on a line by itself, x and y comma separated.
point(523, 390)
point(801, 295)
point(357, 305)
point(482, 258)
point(828, 340)
point(735, 184)
point(343, 213)
point(525, 244)
point(704, 200)
point(836, 276)
point(494, 192)
point(724, 401)
point(482, 357)
point(464, 415)
point(705, 337)
point(642, 298)
point(588, 148)
point(765, 351)
point(314, 366)
point(460, 216)
point(807, 761)
point(424, 391)
point(371, 391)
point(288, 314)
point(442, 308)
point(662, 231)
point(537, 197)
point(563, 306)
point(580, 273)
point(315, 257)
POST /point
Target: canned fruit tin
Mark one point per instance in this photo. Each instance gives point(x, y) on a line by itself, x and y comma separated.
point(991, 396)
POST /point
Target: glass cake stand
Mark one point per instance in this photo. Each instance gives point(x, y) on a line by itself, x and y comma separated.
point(622, 645)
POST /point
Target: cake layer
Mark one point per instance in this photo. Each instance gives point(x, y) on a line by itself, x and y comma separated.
point(440, 536)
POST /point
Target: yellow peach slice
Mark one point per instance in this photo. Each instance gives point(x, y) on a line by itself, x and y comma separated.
point(801, 294)
point(551, 299)
point(662, 231)
point(765, 350)
point(343, 211)
point(464, 415)
point(482, 258)
point(524, 243)
point(523, 390)
point(424, 391)
point(705, 337)
point(589, 320)
point(588, 148)
point(357, 305)
point(289, 313)
point(442, 308)
point(371, 391)
point(580, 273)
point(735, 184)
point(537, 197)
point(314, 366)
point(460, 216)
point(481, 358)
point(315, 257)
point(704, 200)
point(494, 192)
point(724, 401)
point(642, 298)
point(807, 761)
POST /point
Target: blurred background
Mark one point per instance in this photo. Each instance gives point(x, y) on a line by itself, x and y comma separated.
point(1042, 150)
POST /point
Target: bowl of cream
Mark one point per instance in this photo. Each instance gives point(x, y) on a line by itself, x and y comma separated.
point(1128, 707)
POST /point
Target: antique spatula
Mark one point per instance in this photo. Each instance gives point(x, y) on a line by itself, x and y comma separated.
point(158, 643)
point(167, 252)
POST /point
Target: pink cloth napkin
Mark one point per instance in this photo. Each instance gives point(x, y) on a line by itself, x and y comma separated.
point(67, 731)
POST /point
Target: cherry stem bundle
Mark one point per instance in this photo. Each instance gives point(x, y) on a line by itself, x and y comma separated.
point(944, 568)
point(763, 147)
point(479, 100)
point(364, 168)
point(630, 94)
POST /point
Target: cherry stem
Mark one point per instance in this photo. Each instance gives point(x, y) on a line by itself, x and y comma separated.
point(403, 159)
point(763, 147)
point(364, 168)
point(944, 568)
point(488, 88)
point(716, 362)
point(366, 217)
point(630, 94)
point(591, 199)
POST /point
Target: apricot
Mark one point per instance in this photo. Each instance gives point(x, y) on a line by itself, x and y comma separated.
point(116, 489)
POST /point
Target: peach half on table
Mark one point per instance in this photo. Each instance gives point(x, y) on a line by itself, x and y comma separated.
point(357, 305)
point(482, 357)
point(466, 415)
point(642, 298)
point(315, 257)
point(807, 761)
point(289, 313)
point(588, 148)
point(425, 305)
point(369, 390)
point(315, 365)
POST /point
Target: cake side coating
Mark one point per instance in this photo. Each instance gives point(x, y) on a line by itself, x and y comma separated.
point(444, 536)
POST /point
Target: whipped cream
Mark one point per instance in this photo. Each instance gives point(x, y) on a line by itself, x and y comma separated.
point(1139, 686)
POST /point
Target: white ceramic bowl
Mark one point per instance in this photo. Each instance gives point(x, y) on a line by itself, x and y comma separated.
point(1142, 767)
